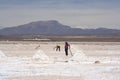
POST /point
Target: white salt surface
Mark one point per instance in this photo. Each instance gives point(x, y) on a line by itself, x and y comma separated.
point(80, 57)
point(79, 65)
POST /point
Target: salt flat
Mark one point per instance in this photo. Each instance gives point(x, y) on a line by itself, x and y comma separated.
point(23, 60)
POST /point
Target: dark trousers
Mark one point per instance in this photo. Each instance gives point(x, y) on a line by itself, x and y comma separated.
point(58, 48)
point(66, 52)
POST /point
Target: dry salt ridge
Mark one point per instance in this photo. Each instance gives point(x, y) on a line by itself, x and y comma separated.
point(90, 60)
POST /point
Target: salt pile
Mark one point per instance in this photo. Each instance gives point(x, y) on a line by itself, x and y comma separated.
point(78, 54)
point(41, 56)
point(2, 55)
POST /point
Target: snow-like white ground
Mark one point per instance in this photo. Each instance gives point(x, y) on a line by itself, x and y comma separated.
point(40, 58)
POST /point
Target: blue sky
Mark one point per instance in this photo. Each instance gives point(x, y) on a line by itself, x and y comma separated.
point(75, 13)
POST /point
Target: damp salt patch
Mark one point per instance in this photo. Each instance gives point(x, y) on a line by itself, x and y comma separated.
point(113, 69)
point(103, 52)
point(41, 57)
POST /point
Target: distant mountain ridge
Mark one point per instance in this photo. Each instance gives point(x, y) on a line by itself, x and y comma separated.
point(53, 27)
point(1, 27)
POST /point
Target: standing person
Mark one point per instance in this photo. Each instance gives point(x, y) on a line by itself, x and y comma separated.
point(67, 46)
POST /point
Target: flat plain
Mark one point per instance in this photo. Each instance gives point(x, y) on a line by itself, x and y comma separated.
point(39, 60)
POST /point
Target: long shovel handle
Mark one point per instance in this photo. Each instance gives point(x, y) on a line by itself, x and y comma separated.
point(37, 47)
point(70, 52)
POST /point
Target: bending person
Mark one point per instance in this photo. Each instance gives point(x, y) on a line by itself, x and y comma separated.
point(57, 47)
